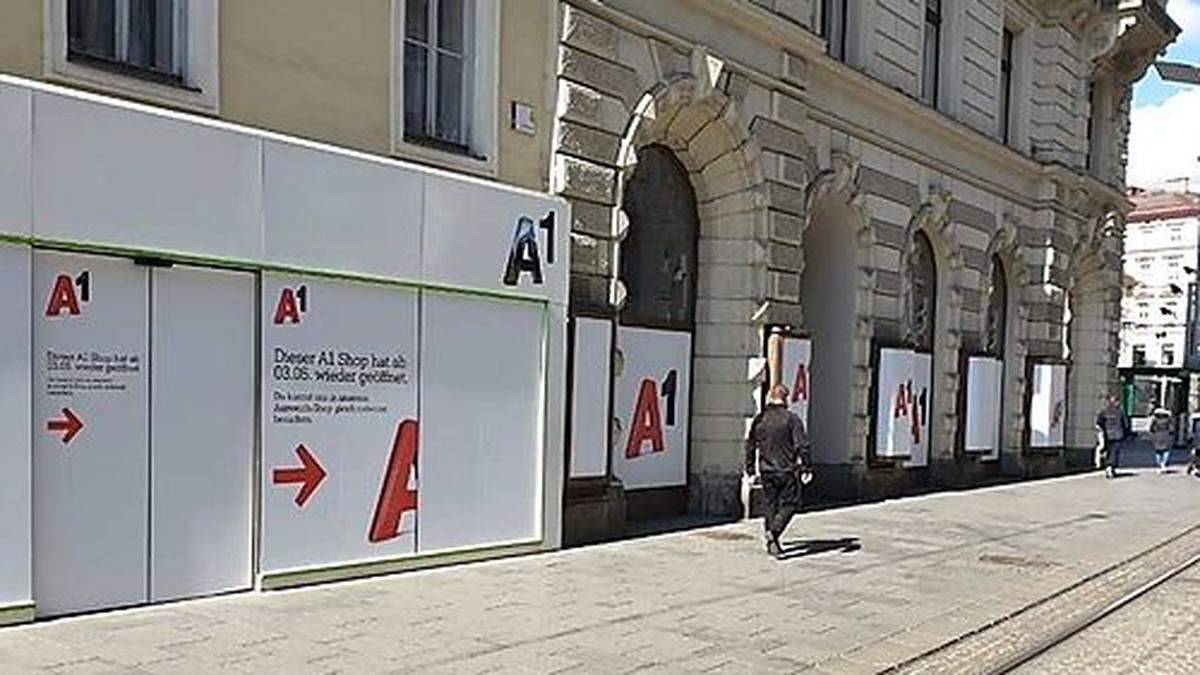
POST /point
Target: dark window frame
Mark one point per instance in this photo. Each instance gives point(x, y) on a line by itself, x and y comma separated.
point(428, 131)
point(115, 57)
point(931, 74)
point(1008, 39)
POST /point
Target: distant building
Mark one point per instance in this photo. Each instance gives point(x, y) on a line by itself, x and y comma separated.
point(1158, 307)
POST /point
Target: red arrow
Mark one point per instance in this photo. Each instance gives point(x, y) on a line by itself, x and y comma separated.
point(69, 423)
point(309, 473)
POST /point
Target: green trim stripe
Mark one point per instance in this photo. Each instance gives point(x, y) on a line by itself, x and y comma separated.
point(248, 265)
point(21, 612)
point(273, 581)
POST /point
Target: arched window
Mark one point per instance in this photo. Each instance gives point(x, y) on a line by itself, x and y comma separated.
point(997, 310)
point(922, 300)
point(658, 257)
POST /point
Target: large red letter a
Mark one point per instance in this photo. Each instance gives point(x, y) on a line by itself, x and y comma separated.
point(394, 497)
point(647, 422)
point(62, 297)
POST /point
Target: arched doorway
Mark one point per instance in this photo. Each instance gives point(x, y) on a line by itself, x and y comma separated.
point(829, 290)
point(652, 369)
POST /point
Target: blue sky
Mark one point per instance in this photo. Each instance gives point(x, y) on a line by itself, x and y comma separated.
point(1164, 136)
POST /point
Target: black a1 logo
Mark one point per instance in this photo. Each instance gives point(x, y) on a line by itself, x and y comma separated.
point(524, 255)
point(69, 294)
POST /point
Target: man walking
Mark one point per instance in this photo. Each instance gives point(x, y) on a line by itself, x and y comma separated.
point(777, 449)
point(1114, 427)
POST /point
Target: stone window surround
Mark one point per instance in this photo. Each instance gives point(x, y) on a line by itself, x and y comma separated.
point(201, 89)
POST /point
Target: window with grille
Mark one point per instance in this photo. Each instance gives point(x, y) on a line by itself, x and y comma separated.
point(438, 72)
point(137, 37)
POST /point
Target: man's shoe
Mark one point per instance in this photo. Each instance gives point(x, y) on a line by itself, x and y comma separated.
point(773, 549)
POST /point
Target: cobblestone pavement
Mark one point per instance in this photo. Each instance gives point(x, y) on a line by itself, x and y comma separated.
point(863, 588)
point(1158, 633)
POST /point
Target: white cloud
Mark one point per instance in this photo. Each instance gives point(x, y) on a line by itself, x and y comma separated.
point(1187, 14)
point(1164, 140)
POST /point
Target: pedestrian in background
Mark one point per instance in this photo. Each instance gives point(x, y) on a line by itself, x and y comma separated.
point(1114, 428)
point(1194, 465)
point(1162, 437)
point(777, 450)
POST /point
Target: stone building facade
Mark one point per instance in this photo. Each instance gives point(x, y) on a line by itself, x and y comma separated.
point(846, 157)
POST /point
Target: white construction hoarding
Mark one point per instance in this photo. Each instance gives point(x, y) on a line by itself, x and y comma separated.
point(591, 418)
point(1048, 406)
point(15, 413)
point(91, 447)
point(652, 398)
point(903, 399)
point(376, 349)
point(203, 429)
point(985, 385)
point(339, 374)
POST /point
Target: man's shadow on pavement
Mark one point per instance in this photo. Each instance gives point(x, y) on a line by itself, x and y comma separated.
point(802, 548)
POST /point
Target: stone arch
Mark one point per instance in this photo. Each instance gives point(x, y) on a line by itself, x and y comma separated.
point(932, 218)
point(1005, 246)
point(703, 128)
point(838, 253)
point(1091, 314)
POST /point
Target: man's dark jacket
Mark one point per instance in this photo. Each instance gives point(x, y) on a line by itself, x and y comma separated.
point(778, 439)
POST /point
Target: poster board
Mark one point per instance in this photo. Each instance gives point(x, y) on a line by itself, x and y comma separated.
point(894, 372)
point(1048, 406)
point(16, 574)
point(902, 406)
point(920, 410)
point(91, 444)
point(482, 403)
point(985, 386)
point(653, 408)
point(339, 410)
point(591, 385)
point(789, 362)
point(203, 429)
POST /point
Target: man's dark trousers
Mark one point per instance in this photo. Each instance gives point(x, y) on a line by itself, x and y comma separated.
point(1113, 450)
point(781, 499)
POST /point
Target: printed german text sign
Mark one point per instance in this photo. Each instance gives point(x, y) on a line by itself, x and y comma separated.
point(339, 397)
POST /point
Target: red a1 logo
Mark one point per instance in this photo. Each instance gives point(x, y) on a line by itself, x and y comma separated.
point(64, 298)
point(800, 384)
point(292, 304)
point(647, 425)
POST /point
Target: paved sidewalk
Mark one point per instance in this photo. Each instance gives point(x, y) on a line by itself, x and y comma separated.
point(875, 585)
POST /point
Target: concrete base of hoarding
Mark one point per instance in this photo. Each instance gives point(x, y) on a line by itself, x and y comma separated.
point(21, 612)
point(273, 581)
point(594, 510)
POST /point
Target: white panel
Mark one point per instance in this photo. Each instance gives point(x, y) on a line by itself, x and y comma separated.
point(481, 422)
point(892, 422)
point(338, 380)
point(111, 175)
point(15, 169)
point(202, 431)
point(337, 212)
point(919, 410)
point(590, 416)
point(1048, 406)
point(984, 383)
point(797, 366)
point(472, 229)
point(654, 363)
point(90, 506)
point(15, 572)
